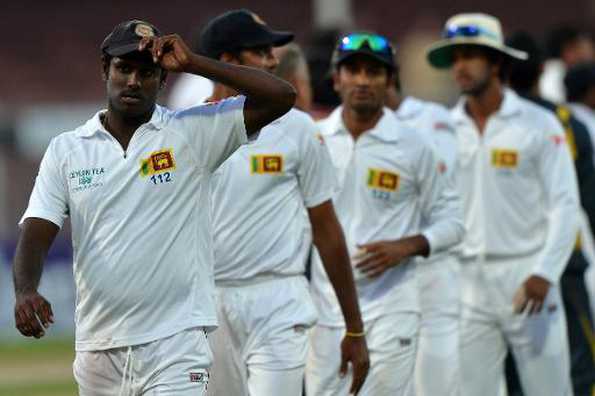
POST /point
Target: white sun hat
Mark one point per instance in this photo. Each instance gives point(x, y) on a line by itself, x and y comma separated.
point(470, 29)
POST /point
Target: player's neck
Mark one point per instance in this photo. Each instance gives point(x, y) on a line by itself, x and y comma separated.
point(221, 92)
point(122, 127)
point(358, 122)
point(482, 105)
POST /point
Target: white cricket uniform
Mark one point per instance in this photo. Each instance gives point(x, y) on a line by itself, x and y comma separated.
point(189, 90)
point(262, 238)
point(389, 184)
point(437, 366)
point(520, 198)
point(140, 233)
point(585, 115)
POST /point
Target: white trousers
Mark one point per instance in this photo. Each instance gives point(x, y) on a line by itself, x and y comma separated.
point(261, 344)
point(488, 324)
point(392, 343)
point(437, 366)
point(172, 366)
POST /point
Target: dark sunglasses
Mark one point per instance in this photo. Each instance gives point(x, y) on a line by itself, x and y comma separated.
point(467, 31)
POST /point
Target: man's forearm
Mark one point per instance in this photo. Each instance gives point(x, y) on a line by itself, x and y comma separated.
point(27, 268)
point(32, 248)
point(417, 245)
point(254, 83)
point(337, 265)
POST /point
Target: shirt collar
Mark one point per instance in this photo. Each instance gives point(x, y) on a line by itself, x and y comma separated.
point(385, 129)
point(94, 125)
point(510, 107)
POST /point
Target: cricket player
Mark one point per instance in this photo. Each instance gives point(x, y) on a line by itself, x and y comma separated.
point(394, 205)
point(271, 200)
point(134, 181)
point(437, 365)
point(520, 198)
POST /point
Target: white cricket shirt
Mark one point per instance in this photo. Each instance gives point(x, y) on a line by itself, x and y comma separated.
point(586, 115)
point(141, 231)
point(260, 195)
point(518, 185)
point(434, 121)
point(389, 182)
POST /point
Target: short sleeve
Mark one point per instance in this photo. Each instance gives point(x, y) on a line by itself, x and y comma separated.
point(215, 130)
point(49, 199)
point(316, 173)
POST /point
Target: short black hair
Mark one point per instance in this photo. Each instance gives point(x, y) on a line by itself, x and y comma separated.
point(561, 36)
point(579, 80)
point(523, 75)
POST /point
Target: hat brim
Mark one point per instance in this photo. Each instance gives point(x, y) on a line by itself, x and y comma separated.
point(272, 37)
point(344, 55)
point(123, 49)
point(440, 54)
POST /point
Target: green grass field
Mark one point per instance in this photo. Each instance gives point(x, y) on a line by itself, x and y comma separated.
point(37, 368)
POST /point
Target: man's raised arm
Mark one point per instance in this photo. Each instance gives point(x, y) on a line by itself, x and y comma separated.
point(267, 97)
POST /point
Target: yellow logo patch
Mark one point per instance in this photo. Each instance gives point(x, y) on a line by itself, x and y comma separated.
point(383, 180)
point(266, 164)
point(503, 158)
point(158, 162)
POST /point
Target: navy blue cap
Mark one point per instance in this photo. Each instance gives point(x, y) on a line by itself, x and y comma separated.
point(126, 36)
point(236, 30)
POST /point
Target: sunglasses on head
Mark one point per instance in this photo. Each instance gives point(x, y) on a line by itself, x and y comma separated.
point(356, 41)
point(467, 31)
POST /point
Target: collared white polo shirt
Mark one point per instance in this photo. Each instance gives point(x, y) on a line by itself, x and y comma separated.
point(518, 185)
point(389, 182)
point(140, 220)
point(435, 122)
point(260, 195)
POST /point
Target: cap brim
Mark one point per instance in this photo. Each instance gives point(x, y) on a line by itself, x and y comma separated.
point(344, 55)
point(440, 54)
point(122, 49)
point(273, 38)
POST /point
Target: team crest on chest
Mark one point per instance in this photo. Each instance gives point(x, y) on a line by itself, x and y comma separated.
point(504, 158)
point(266, 164)
point(383, 180)
point(158, 162)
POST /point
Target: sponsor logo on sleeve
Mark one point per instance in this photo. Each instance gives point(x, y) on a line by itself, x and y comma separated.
point(443, 126)
point(266, 164)
point(320, 138)
point(383, 180)
point(504, 158)
point(199, 377)
point(158, 162)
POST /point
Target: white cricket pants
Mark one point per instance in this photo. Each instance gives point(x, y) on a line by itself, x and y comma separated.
point(261, 344)
point(171, 366)
point(539, 343)
point(437, 367)
point(392, 343)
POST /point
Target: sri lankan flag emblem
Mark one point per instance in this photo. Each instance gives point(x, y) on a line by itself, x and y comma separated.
point(158, 162)
point(383, 180)
point(266, 164)
point(502, 158)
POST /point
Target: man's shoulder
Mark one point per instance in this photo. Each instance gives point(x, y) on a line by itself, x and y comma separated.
point(538, 118)
point(435, 109)
point(205, 109)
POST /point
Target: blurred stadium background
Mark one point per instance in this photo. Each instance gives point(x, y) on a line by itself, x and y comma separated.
point(50, 82)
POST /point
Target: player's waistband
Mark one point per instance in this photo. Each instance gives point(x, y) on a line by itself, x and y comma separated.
point(260, 278)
